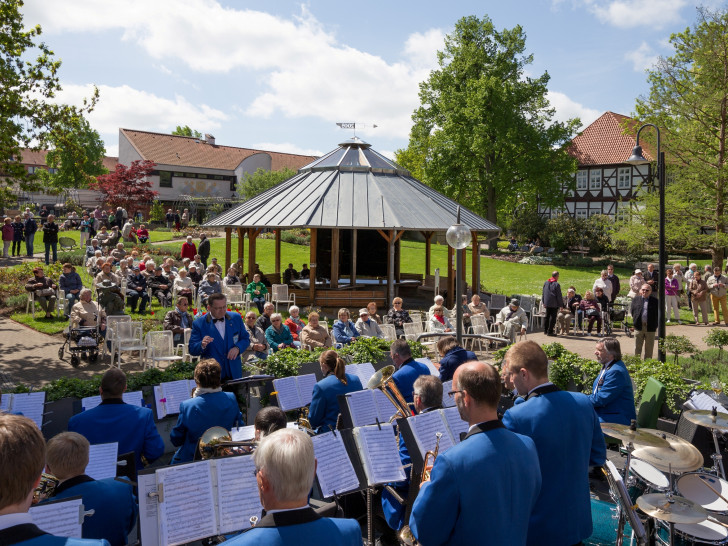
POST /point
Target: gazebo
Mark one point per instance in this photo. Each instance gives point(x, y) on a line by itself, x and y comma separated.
point(357, 205)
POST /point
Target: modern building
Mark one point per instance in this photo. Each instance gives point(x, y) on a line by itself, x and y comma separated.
point(604, 183)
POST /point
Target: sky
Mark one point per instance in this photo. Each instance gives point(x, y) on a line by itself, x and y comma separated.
point(278, 75)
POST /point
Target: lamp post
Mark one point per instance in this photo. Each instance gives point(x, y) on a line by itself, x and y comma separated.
point(458, 237)
point(638, 159)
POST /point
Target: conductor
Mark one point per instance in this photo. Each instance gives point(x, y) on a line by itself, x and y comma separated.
point(284, 468)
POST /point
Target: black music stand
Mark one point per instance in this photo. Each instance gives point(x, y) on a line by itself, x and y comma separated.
point(246, 383)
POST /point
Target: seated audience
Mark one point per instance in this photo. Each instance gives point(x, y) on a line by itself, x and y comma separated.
point(289, 274)
point(71, 284)
point(113, 502)
point(398, 316)
point(512, 320)
point(44, 291)
point(258, 347)
point(136, 291)
point(367, 326)
point(208, 287)
point(564, 316)
point(344, 330)
point(438, 321)
point(263, 321)
point(123, 272)
point(372, 308)
point(451, 356)
point(178, 319)
point(257, 291)
point(477, 307)
point(439, 300)
point(183, 285)
point(590, 307)
point(209, 407)
point(231, 278)
point(87, 313)
point(116, 421)
point(194, 276)
point(161, 287)
point(294, 322)
point(278, 335)
point(314, 335)
point(118, 253)
point(324, 409)
point(92, 248)
point(305, 272)
point(216, 267)
point(106, 274)
point(573, 301)
point(142, 234)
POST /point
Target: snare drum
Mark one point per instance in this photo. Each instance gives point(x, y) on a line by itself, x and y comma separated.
point(692, 487)
point(653, 479)
point(705, 532)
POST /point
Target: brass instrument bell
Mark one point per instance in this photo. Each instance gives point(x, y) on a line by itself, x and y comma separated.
point(383, 381)
point(217, 442)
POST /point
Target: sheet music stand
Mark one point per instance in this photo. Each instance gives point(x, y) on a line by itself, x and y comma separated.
point(353, 451)
point(246, 383)
point(126, 466)
point(408, 436)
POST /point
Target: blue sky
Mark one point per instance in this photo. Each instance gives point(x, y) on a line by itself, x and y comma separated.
point(278, 75)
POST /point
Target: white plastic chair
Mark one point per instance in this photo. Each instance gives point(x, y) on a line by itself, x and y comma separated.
point(279, 294)
point(416, 316)
point(235, 295)
point(497, 302)
point(111, 323)
point(30, 305)
point(128, 337)
point(390, 333)
point(61, 303)
point(184, 348)
point(160, 347)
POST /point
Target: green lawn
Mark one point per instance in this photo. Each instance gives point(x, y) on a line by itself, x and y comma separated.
point(154, 236)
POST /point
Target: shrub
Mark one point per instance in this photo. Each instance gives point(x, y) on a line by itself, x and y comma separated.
point(717, 337)
point(677, 345)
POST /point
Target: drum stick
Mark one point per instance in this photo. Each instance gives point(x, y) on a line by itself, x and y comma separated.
point(713, 520)
point(702, 480)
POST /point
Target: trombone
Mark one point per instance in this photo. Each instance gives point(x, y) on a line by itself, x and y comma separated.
point(217, 442)
point(383, 381)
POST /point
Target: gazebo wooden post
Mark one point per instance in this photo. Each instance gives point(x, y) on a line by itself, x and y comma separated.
point(450, 276)
point(278, 255)
point(228, 247)
point(475, 264)
point(312, 268)
point(241, 253)
point(397, 242)
point(252, 236)
point(354, 241)
point(390, 265)
point(334, 283)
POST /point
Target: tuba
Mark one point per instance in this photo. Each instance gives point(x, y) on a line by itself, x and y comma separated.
point(383, 381)
point(217, 442)
point(303, 422)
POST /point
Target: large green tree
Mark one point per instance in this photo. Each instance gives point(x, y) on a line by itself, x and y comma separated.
point(76, 156)
point(688, 100)
point(187, 131)
point(485, 132)
point(28, 84)
point(261, 180)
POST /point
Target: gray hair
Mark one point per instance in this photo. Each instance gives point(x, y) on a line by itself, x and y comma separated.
point(276, 316)
point(98, 253)
point(429, 389)
point(612, 346)
point(287, 458)
point(293, 308)
point(439, 297)
point(150, 263)
point(83, 292)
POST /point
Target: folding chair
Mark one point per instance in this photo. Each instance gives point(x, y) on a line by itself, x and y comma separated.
point(497, 302)
point(184, 348)
point(128, 337)
point(416, 316)
point(279, 294)
point(235, 295)
point(111, 322)
point(160, 347)
point(390, 334)
point(61, 303)
point(30, 305)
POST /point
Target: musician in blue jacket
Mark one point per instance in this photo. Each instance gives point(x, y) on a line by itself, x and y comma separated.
point(116, 421)
point(209, 407)
point(113, 502)
point(569, 440)
point(324, 408)
point(408, 369)
point(220, 335)
point(22, 460)
point(612, 394)
point(451, 356)
point(285, 468)
point(485, 486)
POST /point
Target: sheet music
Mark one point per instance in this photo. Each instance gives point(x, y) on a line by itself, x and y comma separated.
point(455, 423)
point(59, 518)
point(148, 519)
point(5, 402)
point(425, 426)
point(385, 408)
point(161, 410)
point(287, 389)
point(135, 398)
point(174, 393)
point(237, 493)
point(30, 404)
point(362, 407)
point(427, 362)
point(240, 434)
point(102, 461)
point(363, 371)
point(703, 401)
point(188, 510)
point(447, 401)
point(380, 453)
point(306, 384)
point(334, 470)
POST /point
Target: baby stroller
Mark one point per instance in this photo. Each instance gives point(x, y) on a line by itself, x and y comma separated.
point(85, 341)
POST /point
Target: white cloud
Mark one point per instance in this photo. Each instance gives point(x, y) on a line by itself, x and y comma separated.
point(635, 13)
point(642, 58)
point(286, 148)
point(567, 108)
point(421, 48)
point(112, 150)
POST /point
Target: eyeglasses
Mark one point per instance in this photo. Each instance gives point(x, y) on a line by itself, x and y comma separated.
point(452, 394)
point(276, 320)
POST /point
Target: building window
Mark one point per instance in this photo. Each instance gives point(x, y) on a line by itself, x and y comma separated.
point(201, 176)
point(165, 179)
point(595, 179)
point(31, 170)
point(592, 212)
point(233, 182)
point(581, 213)
point(622, 212)
point(624, 179)
point(52, 171)
point(581, 180)
point(178, 175)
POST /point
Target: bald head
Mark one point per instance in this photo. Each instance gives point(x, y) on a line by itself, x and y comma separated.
point(480, 381)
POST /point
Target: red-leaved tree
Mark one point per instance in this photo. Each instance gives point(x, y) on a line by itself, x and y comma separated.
point(127, 187)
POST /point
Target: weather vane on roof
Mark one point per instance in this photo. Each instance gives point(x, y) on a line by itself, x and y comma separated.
point(353, 125)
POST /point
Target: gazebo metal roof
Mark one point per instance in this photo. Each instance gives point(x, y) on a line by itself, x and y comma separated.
point(352, 186)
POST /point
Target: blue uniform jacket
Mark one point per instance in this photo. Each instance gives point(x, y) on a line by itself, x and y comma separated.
point(114, 504)
point(452, 359)
point(275, 338)
point(29, 534)
point(114, 421)
point(340, 332)
point(569, 440)
point(614, 399)
point(235, 336)
point(324, 408)
point(481, 491)
point(198, 414)
point(406, 376)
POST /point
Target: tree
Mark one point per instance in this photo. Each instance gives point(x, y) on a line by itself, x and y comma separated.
point(26, 114)
point(688, 100)
point(127, 187)
point(484, 134)
point(186, 131)
point(77, 156)
point(261, 180)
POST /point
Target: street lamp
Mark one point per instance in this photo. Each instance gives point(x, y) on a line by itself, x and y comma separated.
point(458, 237)
point(638, 159)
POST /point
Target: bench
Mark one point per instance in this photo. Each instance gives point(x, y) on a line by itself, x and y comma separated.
point(583, 250)
point(66, 243)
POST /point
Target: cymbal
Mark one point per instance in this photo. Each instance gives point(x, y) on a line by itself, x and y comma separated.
point(627, 435)
point(679, 456)
point(675, 510)
point(706, 418)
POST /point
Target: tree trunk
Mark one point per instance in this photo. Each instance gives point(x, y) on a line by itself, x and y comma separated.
point(492, 212)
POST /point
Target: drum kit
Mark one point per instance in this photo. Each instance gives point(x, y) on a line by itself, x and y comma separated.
point(664, 473)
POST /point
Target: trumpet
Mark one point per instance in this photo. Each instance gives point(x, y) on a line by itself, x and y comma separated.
point(303, 422)
point(383, 381)
point(46, 487)
point(217, 442)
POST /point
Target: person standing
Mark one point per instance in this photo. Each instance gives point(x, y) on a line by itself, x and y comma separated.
point(84, 230)
point(50, 238)
point(203, 249)
point(552, 301)
point(652, 278)
point(29, 229)
point(8, 235)
point(672, 291)
point(18, 228)
point(717, 285)
point(612, 278)
point(568, 438)
point(612, 394)
point(188, 249)
point(220, 335)
point(689, 275)
point(698, 292)
point(453, 507)
point(645, 317)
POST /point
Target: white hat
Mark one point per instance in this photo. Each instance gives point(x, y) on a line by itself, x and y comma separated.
point(363, 311)
point(637, 271)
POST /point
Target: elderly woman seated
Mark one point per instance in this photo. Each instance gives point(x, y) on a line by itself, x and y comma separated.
point(182, 285)
point(313, 334)
point(87, 313)
point(208, 287)
point(398, 316)
point(438, 321)
point(344, 330)
point(278, 335)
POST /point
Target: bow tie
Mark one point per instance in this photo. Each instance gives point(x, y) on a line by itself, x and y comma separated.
point(218, 320)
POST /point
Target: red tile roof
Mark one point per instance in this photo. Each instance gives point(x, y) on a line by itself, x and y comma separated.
point(37, 158)
point(604, 142)
point(194, 152)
